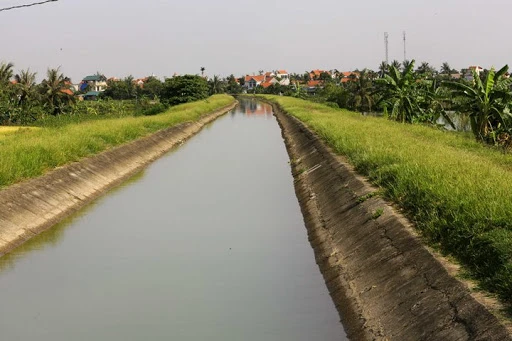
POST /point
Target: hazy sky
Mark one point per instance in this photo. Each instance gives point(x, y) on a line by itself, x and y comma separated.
point(141, 37)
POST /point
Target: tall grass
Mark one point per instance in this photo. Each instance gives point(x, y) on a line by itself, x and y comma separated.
point(457, 191)
point(31, 153)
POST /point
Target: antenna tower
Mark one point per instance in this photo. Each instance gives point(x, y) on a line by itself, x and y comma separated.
point(386, 43)
point(405, 49)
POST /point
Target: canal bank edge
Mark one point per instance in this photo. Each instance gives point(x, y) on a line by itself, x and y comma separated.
point(385, 284)
point(35, 205)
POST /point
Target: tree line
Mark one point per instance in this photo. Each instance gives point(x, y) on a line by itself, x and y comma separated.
point(24, 101)
point(407, 94)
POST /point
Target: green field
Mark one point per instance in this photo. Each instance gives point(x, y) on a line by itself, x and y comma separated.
point(458, 192)
point(27, 153)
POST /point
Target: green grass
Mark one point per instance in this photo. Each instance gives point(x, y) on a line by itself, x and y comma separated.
point(26, 154)
point(458, 192)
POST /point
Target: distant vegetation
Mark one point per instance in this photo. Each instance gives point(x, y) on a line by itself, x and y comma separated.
point(407, 94)
point(455, 190)
point(25, 102)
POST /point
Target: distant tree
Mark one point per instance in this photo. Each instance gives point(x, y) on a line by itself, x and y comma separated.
point(183, 89)
point(383, 69)
point(325, 76)
point(232, 86)
point(425, 70)
point(121, 89)
point(53, 89)
point(6, 72)
point(25, 86)
point(398, 91)
point(334, 94)
point(446, 69)
point(202, 71)
point(152, 88)
point(405, 64)
point(396, 64)
point(487, 102)
point(361, 92)
point(216, 85)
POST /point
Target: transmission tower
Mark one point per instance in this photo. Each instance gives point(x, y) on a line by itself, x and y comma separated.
point(405, 49)
point(386, 43)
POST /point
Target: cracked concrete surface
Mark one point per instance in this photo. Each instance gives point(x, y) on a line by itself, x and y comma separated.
point(385, 284)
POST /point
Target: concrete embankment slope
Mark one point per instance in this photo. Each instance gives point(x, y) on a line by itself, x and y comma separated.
point(386, 285)
point(28, 208)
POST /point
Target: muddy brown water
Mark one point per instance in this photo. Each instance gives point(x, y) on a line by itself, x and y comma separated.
point(207, 244)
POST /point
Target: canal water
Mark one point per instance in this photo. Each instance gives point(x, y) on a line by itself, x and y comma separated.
point(207, 244)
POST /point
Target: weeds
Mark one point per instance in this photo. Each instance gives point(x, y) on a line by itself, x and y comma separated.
point(378, 212)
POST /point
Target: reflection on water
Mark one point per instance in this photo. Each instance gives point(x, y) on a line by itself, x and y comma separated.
point(56, 234)
point(208, 245)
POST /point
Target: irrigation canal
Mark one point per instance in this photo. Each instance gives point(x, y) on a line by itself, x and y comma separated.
point(207, 244)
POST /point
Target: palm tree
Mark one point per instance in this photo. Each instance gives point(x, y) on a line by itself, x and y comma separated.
point(398, 90)
point(25, 85)
point(487, 102)
point(216, 85)
point(425, 70)
point(6, 72)
point(383, 69)
point(446, 69)
point(406, 64)
point(202, 71)
point(361, 89)
point(396, 64)
point(54, 91)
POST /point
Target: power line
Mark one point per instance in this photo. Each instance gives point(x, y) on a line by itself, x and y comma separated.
point(27, 5)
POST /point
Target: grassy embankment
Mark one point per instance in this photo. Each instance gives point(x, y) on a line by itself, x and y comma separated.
point(457, 191)
point(28, 153)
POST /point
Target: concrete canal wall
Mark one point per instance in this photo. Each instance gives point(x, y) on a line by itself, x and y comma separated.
point(28, 208)
point(385, 284)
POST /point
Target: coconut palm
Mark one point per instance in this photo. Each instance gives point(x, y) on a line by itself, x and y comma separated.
point(446, 69)
point(216, 85)
point(25, 86)
point(53, 89)
point(6, 72)
point(202, 71)
point(487, 102)
point(398, 91)
point(425, 70)
point(361, 92)
point(383, 69)
point(406, 64)
point(396, 64)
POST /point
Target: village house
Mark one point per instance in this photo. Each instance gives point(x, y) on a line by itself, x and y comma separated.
point(468, 75)
point(94, 83)
point(267, 79)
point(348, 76)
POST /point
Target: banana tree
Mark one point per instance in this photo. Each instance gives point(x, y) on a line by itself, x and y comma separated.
point(486, 101)
point(399, 93)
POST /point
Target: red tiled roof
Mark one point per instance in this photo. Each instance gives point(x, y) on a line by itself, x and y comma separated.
point(312, 84)
point(282, 72)
point(259, 78)
point(266, 84)
point(67, 91)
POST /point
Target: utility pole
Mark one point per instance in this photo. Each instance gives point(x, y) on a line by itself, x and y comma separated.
point(386, 43)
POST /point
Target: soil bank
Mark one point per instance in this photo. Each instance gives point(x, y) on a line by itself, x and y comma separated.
point(385, 284)
point(30, 207)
